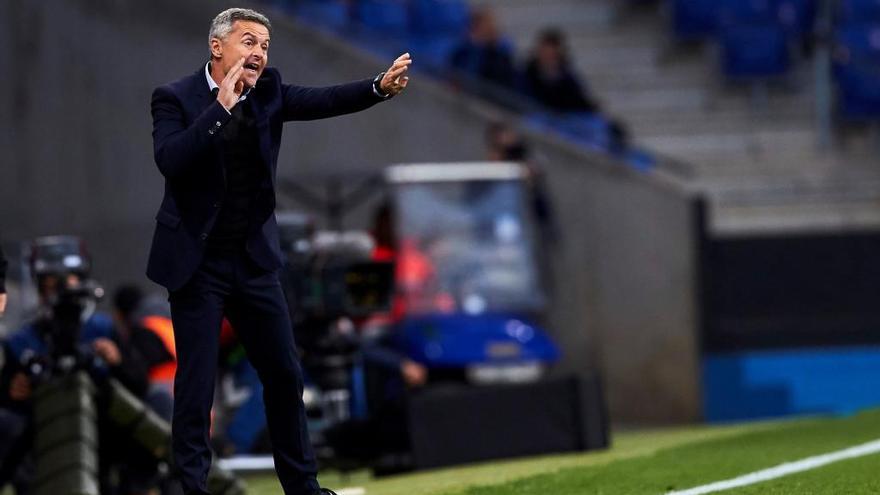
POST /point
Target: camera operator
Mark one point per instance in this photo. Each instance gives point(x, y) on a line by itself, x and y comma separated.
point(67, 325)
point(143, 346)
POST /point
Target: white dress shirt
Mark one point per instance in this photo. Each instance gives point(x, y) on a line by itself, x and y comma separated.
point(213, 84)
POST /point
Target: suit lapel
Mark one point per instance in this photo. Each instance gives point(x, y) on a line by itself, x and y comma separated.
point(261, 117)
point(201, 90)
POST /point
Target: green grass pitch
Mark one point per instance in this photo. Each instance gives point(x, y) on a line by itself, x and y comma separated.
point(654, 462)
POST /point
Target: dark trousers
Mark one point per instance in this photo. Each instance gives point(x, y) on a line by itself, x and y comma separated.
point(230, 284)
point(16, 438)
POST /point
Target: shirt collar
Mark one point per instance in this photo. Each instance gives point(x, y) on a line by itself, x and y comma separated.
point(213, 84)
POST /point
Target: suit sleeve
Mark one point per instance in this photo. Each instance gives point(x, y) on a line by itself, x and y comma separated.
point(177, 146)
point(303, 103)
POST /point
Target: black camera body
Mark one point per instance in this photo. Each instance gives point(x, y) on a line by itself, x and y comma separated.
point(60, 331)
point(332, 284)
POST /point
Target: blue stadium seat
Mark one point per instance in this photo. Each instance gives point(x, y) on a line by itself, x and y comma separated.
point(798, 17)
point(439, 17)
point(749, 51)
point(753, 39)
point(858, 92)
point(739, 12)
point(436, 27)
point(858, 11)
point(856, 44)
point(431, 52)
point(588, 129)
point(856, 71)
point(388, 16)
point(640, 160)
point(693, 19)
point(334, 14)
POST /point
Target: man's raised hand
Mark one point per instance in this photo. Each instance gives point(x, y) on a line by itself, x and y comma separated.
point(231, 86)
point(395, 79)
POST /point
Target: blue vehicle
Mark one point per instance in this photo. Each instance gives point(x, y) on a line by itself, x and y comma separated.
point(467, 271)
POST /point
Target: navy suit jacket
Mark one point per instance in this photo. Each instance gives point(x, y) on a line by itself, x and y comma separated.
point(187, 120)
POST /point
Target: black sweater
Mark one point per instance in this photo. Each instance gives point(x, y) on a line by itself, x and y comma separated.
point(244, 172)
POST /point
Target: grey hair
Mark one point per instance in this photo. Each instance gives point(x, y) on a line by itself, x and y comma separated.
point(221, 26)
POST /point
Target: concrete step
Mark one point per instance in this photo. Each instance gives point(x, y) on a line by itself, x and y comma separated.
point(678, 129)
point(809, 166)
point(696, 104)
point(711, 149)
point(821, 215)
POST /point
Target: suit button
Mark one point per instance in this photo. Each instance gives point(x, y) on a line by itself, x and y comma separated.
point(204, 237)
point(217, 205)
point(217, 124)
point(211, 131)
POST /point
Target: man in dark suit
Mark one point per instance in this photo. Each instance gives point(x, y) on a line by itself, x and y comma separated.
point(216, 136)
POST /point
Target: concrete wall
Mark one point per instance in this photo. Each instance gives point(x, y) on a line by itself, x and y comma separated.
point(77, 158)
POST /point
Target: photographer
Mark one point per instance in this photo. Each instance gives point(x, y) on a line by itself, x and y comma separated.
point(67, 328)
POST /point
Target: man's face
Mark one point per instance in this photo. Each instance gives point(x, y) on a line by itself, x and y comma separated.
point(549, 55)
point(249, 40)
point(50, 285)
point(483, 28)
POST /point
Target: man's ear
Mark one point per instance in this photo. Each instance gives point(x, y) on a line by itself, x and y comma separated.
point(216, 48)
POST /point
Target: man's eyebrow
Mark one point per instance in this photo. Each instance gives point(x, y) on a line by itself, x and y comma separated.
point(248, 33)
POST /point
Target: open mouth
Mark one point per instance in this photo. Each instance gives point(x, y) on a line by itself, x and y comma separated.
point(253, 67)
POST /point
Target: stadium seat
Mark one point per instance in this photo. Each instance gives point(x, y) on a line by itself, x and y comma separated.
point(798, 17)
point(855, 43)
point(856, 71)
point(751, 12)
point(858, 87)
point(752, 38)
point(334, 14)
point(750, 51)
point(588, 129)
point(432, 52)
point(391, 17)
point(436, 27)
point(439, 17)
point(640, 160)
point(858, 11)
point(693, 19)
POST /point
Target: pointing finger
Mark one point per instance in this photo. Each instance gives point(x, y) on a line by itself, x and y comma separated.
point(395, 73)
point(401, 63)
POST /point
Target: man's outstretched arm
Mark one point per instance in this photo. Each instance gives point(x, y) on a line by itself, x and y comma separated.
point(302, 103)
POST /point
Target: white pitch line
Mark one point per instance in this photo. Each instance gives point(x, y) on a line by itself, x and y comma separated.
point(784, 469)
